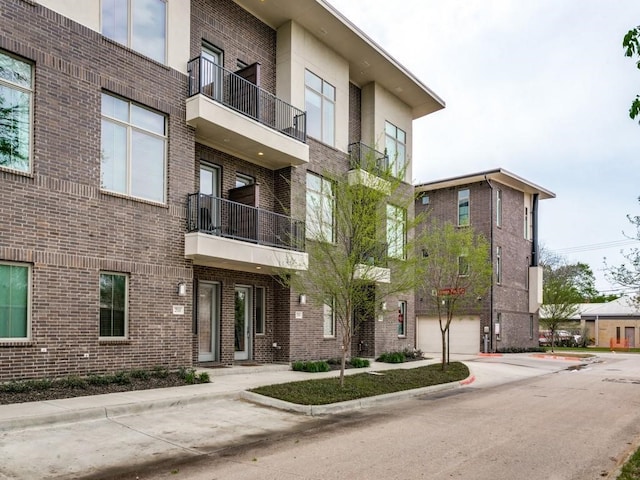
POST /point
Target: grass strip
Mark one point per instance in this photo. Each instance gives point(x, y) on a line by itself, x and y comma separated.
point(327, 390)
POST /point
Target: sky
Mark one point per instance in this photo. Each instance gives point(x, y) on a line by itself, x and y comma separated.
point(540, 88)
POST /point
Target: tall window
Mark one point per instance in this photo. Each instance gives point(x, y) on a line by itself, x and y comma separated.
point(328, 309)
point(15, 113)
point(320, 103)
point(139, 24)
point(526, 223)
point(530, 326)
point(402, 318)
point(320, 208)
point(463, 266)
point(396, 145)
point(113, 305)
point(14, 301)
point(133, 150)
point(498, 264)
point(396, 231)
point(260, 310)
point(463, 207)
point(498, 208)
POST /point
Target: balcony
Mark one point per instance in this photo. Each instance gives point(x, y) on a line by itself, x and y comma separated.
point(234, 236)
point(234, 115)
point(373, 266)
point(368, 167)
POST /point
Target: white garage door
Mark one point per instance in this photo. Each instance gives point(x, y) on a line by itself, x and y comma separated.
point(464, 335)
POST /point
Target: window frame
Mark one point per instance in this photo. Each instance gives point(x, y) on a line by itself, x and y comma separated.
point(499, 208)
point(329, 313)
point(316, 229)
point(394, 141)
point(130, 34)
point(132, 128)
point(27, 91)
point(396, 217)
point(28, 300)
point(499, 265)
point(327, 137)
point(461, 201)
point(125, 336)
point(463, 266)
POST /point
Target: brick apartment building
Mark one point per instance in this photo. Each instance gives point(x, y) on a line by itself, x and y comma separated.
point(504, 208)
point(156, 160)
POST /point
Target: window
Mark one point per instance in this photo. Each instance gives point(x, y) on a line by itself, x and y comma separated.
point(425, 199)
point(243, 180)
point(463, 207)
point(113, 305)
point(396, 231)
point(396, 146)
point(260, 310)
point(15, 113)
point(463, 266)
point(499, 208)
point(402, 318)
point(138, 24)
point(498, 264)
point(526, 223)
point(526, 275)
point(320, 103)
point(15, 280)
point(133, 150)
point(329, 328)
point(320, 208)
point(530, 326)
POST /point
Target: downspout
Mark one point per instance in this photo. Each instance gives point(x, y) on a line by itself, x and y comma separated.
point(491, 325)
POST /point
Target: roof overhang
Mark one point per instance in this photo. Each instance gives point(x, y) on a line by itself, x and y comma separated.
point(368, 62)
point(498, 175)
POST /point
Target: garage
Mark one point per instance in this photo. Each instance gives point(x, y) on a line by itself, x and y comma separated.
point(464, 335)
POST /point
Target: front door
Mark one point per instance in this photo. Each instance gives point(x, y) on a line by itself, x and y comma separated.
point(630, 336)
point(209, 203)
point(242, 323)
point(212, 73)
point(208, 321)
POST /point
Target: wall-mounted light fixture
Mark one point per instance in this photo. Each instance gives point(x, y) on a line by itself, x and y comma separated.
point(383, 306)
point(303, 299)
point(182, 289)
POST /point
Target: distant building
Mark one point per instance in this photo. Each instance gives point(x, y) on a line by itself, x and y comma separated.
point(504, 208)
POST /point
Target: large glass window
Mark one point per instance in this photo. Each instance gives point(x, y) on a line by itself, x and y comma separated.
point(498, 265)
point(260, 310)
point(463, 266)
point(138, 24)
point(463, 207)
point(396, 145)
point(14, 301)
point(320, 103)
point(133, 150)
point(320, 208)
point(396, 231)
point(15, 113)
point(328, 309)
point(498, 208)
point(113, 305)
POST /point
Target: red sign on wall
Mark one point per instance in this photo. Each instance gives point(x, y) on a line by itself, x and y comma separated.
point(443, 292)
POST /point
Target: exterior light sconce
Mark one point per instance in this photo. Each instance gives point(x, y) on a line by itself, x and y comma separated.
point(303, 299)
point(182, 289)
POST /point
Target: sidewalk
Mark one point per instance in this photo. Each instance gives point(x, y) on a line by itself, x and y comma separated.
point(226, 383)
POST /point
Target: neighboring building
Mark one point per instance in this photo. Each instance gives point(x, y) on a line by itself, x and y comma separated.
point(504, 208)
point(156, 160)
point(614, 324)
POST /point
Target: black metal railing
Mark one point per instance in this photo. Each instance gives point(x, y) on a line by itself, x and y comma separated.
point(375, 255)
point(224, 218)
point(368, 159)
point(241, 95)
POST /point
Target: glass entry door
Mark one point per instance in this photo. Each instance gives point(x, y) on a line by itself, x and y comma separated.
point(208, 321)
point(242, 323)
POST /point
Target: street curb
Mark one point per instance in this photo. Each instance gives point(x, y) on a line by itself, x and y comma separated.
point(112, 411)
point(350, 405)
point(549, 356)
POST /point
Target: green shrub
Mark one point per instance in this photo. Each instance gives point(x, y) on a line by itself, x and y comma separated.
point(160, 372)
point(94, 379)
point(203, 377)
point(73, 381)
point(311, 366)
point(412, 353)
point(121, 378)
point(392, 357)
point(359, 362)
point(141, 374)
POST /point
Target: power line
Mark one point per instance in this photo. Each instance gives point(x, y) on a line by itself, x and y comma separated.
point(598, 246)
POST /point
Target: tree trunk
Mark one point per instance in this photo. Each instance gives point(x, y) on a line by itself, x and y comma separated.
point(444, 349)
